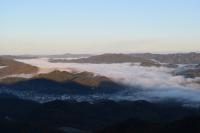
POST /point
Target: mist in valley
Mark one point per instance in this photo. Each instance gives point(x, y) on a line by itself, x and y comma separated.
point(154, 84)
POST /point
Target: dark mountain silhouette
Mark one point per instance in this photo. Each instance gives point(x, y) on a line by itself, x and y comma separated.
point(17, 115)
point(185, 125)
point(53, 87)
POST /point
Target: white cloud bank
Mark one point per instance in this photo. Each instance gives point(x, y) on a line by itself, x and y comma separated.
point(156, 83)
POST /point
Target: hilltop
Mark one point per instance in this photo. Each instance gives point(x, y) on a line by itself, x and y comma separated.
point(12, 67)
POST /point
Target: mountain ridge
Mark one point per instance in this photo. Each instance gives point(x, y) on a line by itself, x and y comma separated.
point(179, 58)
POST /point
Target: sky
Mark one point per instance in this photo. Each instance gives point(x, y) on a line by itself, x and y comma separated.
point(99, 26)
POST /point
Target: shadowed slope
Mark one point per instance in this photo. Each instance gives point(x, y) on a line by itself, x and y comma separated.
point(63, 83)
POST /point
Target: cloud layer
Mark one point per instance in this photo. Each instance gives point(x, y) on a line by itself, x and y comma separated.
point(155, 83)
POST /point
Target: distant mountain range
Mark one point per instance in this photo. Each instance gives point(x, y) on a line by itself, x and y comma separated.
point(174, 58)
point(145, 58)
point(67, 55)
point(110, 58)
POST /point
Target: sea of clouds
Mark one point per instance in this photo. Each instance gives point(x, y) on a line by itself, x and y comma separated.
point(155, 83)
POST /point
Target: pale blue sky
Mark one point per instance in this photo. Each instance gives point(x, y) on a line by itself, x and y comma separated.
point(98, 26)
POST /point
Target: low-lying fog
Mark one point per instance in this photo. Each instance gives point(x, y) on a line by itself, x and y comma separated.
point(156, 83)
point(2, 67)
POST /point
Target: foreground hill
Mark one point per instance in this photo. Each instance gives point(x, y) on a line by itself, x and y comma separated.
point(185, 125)
point(17, 115)
point(12, 67)
point(61, 82)
point(84, 78)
